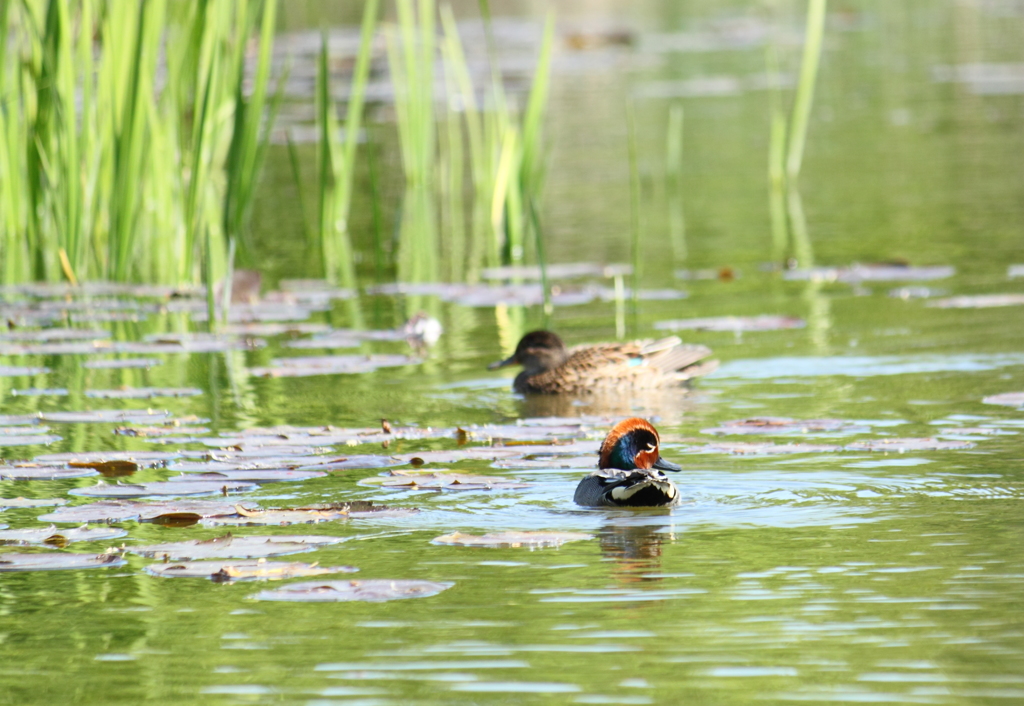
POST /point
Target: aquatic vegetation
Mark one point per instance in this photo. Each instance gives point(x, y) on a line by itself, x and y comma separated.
point(122, 162)
point(229, 546)
point(530, 540)
point(370, 590)
point(10, 561)
point(223, 572)
point(733, 323)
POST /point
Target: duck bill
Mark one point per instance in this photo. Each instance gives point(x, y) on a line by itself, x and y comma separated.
point(663, 465)
point(511, 360)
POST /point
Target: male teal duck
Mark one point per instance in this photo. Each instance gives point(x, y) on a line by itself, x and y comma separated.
point(549, 368)
point(629, 470)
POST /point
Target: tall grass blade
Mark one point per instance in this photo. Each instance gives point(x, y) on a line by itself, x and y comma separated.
point(805, 88)
point(674, 173)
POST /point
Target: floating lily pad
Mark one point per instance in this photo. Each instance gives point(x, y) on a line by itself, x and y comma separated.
point(259, 570)
point(568, 270)
point(882, 272)
point(331, 365)
point(783, 425)
point(7, 371)
point(416, 480)
point(115, 364)
point(28, 440)
point(979, 301)
point(275, 328)
point(144, 490)
point(733, 323)
point(143, 393)
point(43, 472)
point(41, 392)
point(549, 462)
point(915, 292)
point(54, 334)
point(607, 294)
point(6, 503)
point(54, 560)
point(22, 430)
point(1015, 271)
point(364, 461)
point(105, 416)
point(372, 591)
point(531, 540)
point(61, 538)
point(230, 546)
point(159, 432)
point(903, 445)
point(306, 515)
point(19, 419)
point(741, 448)
point(58, 348)
point(252, 476)
point(480, 453)
point(142, 458)
point(129, 510)
point(1010, 399)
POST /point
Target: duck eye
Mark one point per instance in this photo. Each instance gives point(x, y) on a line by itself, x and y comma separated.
point(652, 447)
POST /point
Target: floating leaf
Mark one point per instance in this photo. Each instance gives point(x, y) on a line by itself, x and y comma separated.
point(733, 323)
point(1010, 399)
point(125, 510)
point(364, 461)
point(105, 416)
point(6, 503)
point(331, 365)
point(43, 473)
point(903, 445)
point(568, 270)
point(45, 562)
point(373, 591)
point(143, 393)
point(360, 509)
point(253, 476)
point(783, 425)
point(41, 392)
point(118, 363)
point(418, 480)
point(28, 439)
point(479, 453)
point(108, 469)
point(142, 490)
point(7, 371)
point(142, 458)
point(61, 538)
point(979, 301)
point(224, 572)
point(230, 546)
point(54, 334)
point(275, 328)
point(741, 448)
point(531, 540)
point(159, 432)
point(881, 272)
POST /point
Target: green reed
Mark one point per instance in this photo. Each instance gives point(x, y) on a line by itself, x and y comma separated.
point(106, 172)
point(787, 142)
point(499, 147)
point(336, 155)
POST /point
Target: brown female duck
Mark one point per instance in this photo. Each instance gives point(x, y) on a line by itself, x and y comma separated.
point(549, 368)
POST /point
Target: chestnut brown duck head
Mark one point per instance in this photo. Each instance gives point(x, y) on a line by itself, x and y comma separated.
point(629, 470)
point(549, 368)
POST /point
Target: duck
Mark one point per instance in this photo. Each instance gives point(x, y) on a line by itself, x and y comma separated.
point(629, 470)
point(549, 368)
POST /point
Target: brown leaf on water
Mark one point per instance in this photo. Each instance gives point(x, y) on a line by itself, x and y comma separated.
point(230, 546)
point(108, 469)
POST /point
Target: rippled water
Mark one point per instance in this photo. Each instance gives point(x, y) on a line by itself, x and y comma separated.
point(845, 576)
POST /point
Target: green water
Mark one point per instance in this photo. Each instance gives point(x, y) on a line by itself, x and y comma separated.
point(843, 577)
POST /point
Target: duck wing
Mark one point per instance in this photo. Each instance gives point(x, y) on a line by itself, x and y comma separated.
point(614, 488)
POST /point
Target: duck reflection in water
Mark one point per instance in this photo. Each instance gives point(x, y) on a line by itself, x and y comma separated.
point(634, 548)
